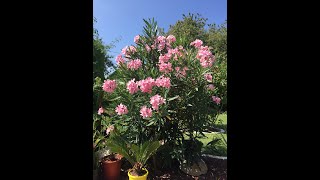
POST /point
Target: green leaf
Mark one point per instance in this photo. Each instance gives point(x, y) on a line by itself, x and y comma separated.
point(152, 122)
point(149, 150)
point(173, 98)
point(170, 111)
point(114, 99)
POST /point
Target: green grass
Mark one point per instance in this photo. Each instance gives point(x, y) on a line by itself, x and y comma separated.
point(221, 121)
point(220, 147)
point(210, 136)
point(222, 118)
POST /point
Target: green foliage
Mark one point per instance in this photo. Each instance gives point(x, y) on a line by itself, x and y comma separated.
point(217, 37)
point(192, 27)
point(101, 59)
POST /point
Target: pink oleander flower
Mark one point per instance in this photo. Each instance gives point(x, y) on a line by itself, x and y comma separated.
point(205, 56)
point(100, 111)
point(163, 82)
point(181, 73)
point(120, 60)
point(147, 48)
point(136, 39)
point(216, 99)
point(161, 40)
point(176, 52)
point(134, 64)
point(156, 101)
point(165, 67)
point(145, 112)
point(208, 76)
point(164, 58)
point(146, 85)
point(109, 129)
point(211, 87)
point(197, 43)
point(121, 109)
point(124, 50)
point(109, 85)
point(132, 49)
point(132, 86)
point(173, 51)
point(153, 46)
point(127, 51)
point(171, 39)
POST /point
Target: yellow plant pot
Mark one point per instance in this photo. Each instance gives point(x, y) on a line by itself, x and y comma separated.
point(144, 177)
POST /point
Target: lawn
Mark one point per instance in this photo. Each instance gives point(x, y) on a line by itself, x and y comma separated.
point(221, 121)
point(219, 148)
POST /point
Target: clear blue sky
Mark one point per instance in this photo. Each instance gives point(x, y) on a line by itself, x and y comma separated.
point(122, 19)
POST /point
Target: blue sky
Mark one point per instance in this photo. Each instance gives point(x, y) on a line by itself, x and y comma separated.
point(122, 19)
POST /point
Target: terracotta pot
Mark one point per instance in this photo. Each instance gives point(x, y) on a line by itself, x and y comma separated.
point(144, 177)
point(111, 169)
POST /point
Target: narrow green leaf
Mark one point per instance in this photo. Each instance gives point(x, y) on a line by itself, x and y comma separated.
point(114, 99)
point(173, 98)
point(150, 123)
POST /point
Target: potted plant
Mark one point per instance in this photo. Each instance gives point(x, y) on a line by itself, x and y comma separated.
point(137, 155)
point(109, 161)
point(111, 166)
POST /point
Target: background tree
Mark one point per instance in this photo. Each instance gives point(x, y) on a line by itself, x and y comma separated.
point(101, 65)
point(191, 27)
point(101, 59)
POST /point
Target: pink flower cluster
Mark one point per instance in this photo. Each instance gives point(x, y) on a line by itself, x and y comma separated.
point(161, 41)
point(127, 51)
point(171, 39)
point(109, 86)
point(109, 129)
point(216, 99)
point(134, 64)
point(197, 43)
point(147, 48)
point(156, 101)
point(208, 77)
point(164, 58)
point(132, 86)
point(205, 56)
point(181, 73)
point(176, 52)
point(120, 60)
point(146, 85)
point(100, 111)
point(136, 39)
point(163, 82)
point(145, 112)
point(121, 109)
point(211, 87)
point(165, 67)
